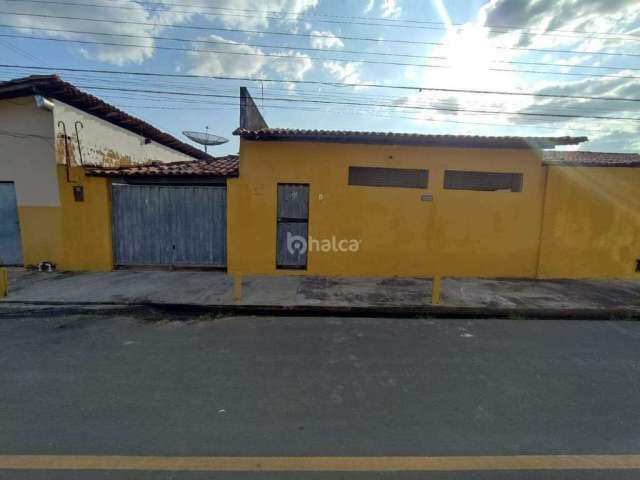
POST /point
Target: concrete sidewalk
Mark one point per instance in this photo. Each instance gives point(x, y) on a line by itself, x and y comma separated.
point(300, 294)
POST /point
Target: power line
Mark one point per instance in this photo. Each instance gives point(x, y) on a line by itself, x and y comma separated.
point(329, 102)
point(362, 111)
point(370, 114)
point(7, 44)
point(371, 108)
point(379, 19)
point(297, 94)
point(423, 26)
point(289, 57)
point(318, 82)
point(588, 109)
point(359, 52)
point(321, 15)
point(306, 35)
point(446, 102)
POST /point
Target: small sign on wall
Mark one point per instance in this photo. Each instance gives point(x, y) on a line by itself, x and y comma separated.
point(426, 198)
point(78, 193)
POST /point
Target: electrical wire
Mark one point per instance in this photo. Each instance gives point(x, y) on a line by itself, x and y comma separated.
point(440, 26)
point(321, 83)
point(296, 34)
point(290, 57)
point(313, 49)
point(328, 102)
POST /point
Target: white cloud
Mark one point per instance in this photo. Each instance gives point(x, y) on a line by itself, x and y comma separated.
point(386, 8)
point(567, 17)
point(344, 72)
point(260, 11)
point(133, 11)
point(473, 52)
point(326, 40)
point(390, 9)
point(562, 22)
point(590, 87)
point(592, 15)
point(292, 65)
point(208, 63)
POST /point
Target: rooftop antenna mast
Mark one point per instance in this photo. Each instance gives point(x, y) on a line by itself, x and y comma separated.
point(205, 138)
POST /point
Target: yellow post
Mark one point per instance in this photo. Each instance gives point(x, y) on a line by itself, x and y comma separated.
point(435, 290)
point(237, 287)
point(4, 283)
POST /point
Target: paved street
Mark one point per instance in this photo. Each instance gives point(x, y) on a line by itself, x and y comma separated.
point(289, 387)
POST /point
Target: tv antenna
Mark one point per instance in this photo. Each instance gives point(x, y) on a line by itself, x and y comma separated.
point(205, 138)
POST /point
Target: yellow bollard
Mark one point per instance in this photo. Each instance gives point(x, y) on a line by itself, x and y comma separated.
point(237, 287)
point(435, 290)
point(4, 283)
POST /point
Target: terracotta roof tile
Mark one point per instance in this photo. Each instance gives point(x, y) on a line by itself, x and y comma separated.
point(222, 166)
point(592, 159)
point(346, 136)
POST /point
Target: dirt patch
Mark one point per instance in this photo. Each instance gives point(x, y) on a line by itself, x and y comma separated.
point(398, 282)
point(315, 288)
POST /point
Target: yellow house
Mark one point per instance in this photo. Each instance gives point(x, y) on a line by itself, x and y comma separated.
point(331, 203)
point(424, 205)
point(49, 210)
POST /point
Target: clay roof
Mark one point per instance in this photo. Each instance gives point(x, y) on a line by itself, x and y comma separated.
point(592, 159)
point(391, 138)
point(221, 166)
point(54, 87)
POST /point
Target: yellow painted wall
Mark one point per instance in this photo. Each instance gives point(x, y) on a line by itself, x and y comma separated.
point(75, 236)
point(85, 226)
point(466, 233)
point(591, 223)
point(40, 230)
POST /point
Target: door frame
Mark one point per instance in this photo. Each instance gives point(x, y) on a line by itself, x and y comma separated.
point(297, 184)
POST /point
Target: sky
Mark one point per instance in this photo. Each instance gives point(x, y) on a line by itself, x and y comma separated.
point(498, 67)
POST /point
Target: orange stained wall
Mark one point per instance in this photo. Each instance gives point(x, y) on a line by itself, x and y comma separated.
point(591, 223)
point(461, 233)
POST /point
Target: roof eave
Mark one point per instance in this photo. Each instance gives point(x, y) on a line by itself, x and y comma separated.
point(518, 143)
point(53, 87)
point(567, 163)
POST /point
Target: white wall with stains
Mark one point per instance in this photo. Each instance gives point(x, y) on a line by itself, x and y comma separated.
point(104, 143)
point(27, 152)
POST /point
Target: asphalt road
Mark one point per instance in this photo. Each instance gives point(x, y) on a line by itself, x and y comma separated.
point(335, 387)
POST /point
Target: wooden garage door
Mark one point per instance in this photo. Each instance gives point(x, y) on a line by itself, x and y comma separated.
point(170, 225)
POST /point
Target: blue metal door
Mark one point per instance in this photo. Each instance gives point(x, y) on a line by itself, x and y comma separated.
point(170, 225)
point(10, 245)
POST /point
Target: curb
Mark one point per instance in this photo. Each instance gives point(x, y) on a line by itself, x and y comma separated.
point(36, 308)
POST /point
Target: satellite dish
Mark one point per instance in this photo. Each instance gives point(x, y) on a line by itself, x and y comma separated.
point(205, 138)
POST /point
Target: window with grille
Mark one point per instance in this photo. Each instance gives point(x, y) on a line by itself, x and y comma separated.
point(388, 177)
point(482, 181)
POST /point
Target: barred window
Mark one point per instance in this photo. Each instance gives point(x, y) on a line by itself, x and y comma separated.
point(482, 181)
point(388, 177)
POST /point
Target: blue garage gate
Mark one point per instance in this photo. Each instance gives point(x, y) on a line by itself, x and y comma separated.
point(10, 244)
